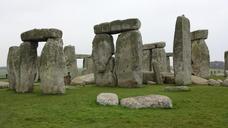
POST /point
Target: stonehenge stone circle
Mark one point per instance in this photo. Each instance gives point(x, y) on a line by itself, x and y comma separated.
point(125, 70)
point(200, 54)
point(71, 62)
point(128, 58)
point(117, 26)
point(38, 35)
point(52, 67)
point(103, 49)
point(13, 66)
point(226, 64)
point(182, 51)
point(28, 66)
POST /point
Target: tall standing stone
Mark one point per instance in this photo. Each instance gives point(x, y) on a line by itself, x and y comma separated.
point(88, 66)
point(182, 51)
point(103, 49)
point(157, 72)
point(200, 54)
point(71, 62)
point(146, 65)
point(13, 66)
point(128, 57)
point(52, 67)
point(226, 64)
point(28, 66)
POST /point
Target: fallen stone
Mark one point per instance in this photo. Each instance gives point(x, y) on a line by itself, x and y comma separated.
point(199, 80)
point(225, 83)
point(52, 67)
point(148, 76)
point(84, 79)
point(151, 82)
point(177, 89)
point(168, 78)
point(38, 35)
point(4, 85)
point(213, 82)
point(128, 59)
point(107, 99)
point(117, 26)
point(150, 101)
point(199, 34)
point(182, 52)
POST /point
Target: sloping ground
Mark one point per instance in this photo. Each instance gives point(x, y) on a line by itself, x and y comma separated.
point(202, 107)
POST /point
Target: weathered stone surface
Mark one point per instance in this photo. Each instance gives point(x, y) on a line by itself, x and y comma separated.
point(52, 67)
point(13, 66)
point(103, 49)
point(169, 54)
point(107, 99)
point(168, 78)
point(199, 34)
point(159, 44)
point(149, 46)
point(82, 56)
point(84, 79)
point(213, 82)
point(182, 52)
point(157, 72)
point(128, 57)
point(88, 66)
point(36, 35)
point(226, 64)
point(37, 76)
point(159, 55)
point(177, 89)
point(71, 62)
point(150, 101)
point(148, 76)
point(28, 66)
point(117, 26)
point(200, 59)
point(168, 64)
point(4, 85)
point(146, 62)
point(225, 83)
point(199, 80)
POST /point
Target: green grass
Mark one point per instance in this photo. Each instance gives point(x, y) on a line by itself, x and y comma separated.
point(203, 107)
point(218, 77)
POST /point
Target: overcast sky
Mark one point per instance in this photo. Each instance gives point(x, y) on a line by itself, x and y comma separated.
point(76, 19)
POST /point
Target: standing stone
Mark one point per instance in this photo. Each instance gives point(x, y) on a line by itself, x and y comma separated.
point(71, 62)
point(168, 55)
point(28, 66)
point(159, 55)
point(146, 65)
point(88, 66)
point(13, 66)
point(182, 52)
point(129, 59)
point(103, 49)
point(52, 67)
point(200, 54)
point(37, 78)
point(226, 64)
point(157, 72)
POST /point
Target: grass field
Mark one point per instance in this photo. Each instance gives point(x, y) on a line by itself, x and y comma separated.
point(203, 107)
